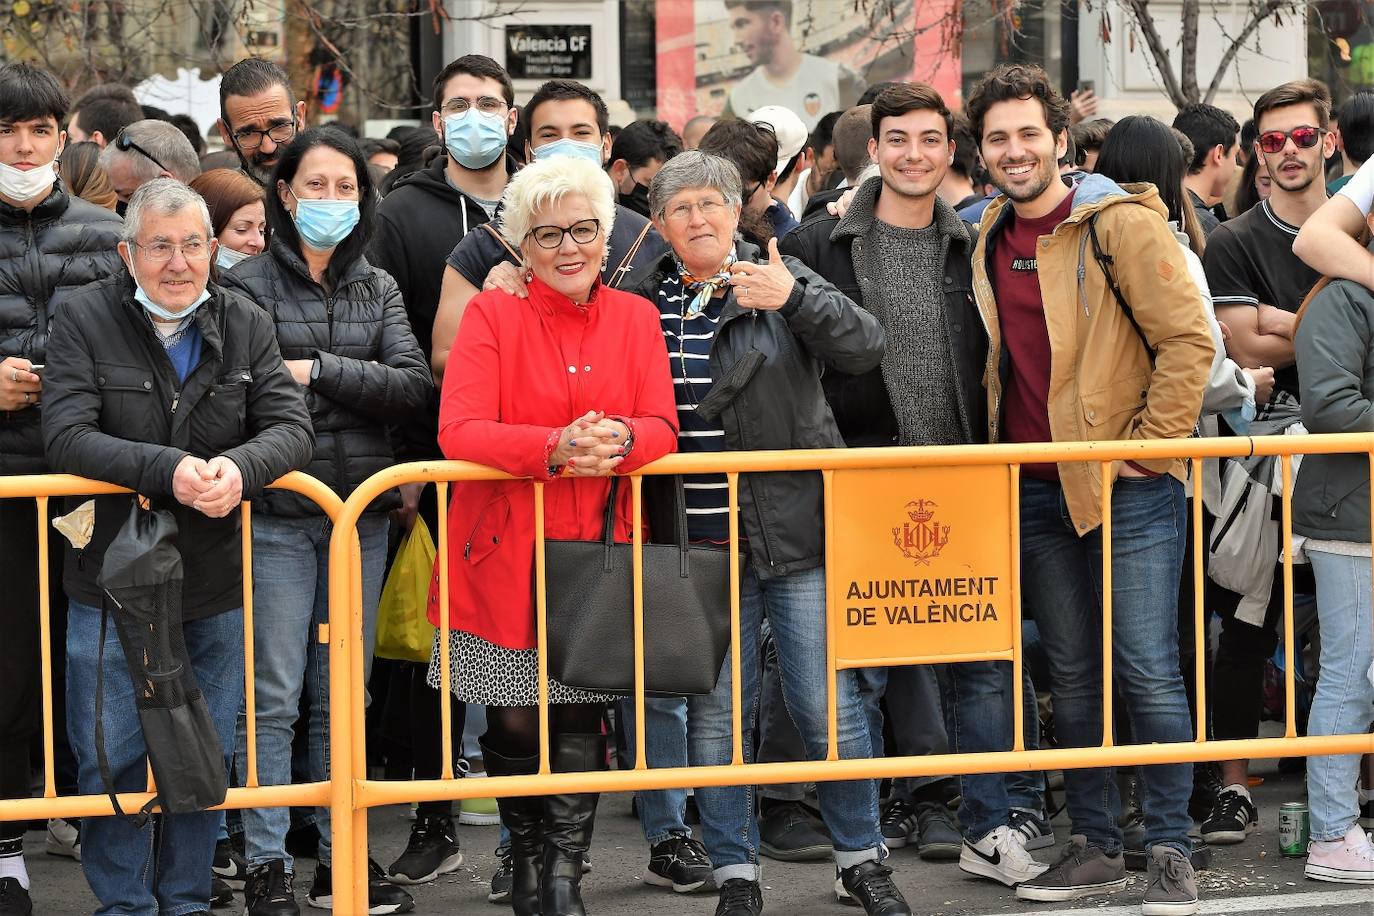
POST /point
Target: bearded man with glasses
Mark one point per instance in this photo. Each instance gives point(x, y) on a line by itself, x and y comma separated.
point(256, 114)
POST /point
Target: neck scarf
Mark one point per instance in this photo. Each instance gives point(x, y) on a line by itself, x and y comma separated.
point(704, 287)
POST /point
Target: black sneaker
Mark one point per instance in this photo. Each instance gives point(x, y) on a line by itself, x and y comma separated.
point(870, 885)
point(382, 896)
point(502, 880)
point(229, 865)
point(938, 838)
point(221, 894)
point(740, 897)
point(1233, 819)
point(789, 832)
point(268, 891)
point(1206, 787)
point(897, 823)
point(15, 901)
point(679, 862)
point(432, 851)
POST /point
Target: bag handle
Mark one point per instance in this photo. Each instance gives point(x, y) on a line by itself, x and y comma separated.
point(1105, 261)
point(624, 266)
point(502, 239)
point(679, 523)
point(141, 818)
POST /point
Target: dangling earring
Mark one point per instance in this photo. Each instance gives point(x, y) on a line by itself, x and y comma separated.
point(529, 275)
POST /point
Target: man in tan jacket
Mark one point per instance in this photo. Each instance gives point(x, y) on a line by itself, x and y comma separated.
point(1069, 360)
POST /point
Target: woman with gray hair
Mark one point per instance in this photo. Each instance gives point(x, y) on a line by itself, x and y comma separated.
point(750, 332)
point(567, 387)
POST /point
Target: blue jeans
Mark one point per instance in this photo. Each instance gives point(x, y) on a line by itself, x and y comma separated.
point(1062, 581)
point(980, 719)
point(662, 812)
point(290, 601)
point(162, 868)
point(795, 606)
point(1344, 703)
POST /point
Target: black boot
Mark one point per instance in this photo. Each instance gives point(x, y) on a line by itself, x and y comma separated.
point(523, 817)
point(568, 826)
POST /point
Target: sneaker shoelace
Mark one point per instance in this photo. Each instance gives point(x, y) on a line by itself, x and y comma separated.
point(1173, 870)
point(737, 892)
point(1230, 806)
point(895, 813)
point(877, 883)
point(688, 853)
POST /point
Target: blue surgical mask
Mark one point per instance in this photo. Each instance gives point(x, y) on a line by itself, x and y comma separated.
point(227, 257)
point(323, 224)
point(475, 139)
point(568, 147)
point(157, 311)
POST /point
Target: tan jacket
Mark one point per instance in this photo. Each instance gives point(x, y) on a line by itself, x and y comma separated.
point(1102, 386)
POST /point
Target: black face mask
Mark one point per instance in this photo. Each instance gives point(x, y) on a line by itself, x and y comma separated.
point(120, 207)
point(637, 200)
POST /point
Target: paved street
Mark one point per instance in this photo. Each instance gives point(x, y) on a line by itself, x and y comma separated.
point(1250, 878)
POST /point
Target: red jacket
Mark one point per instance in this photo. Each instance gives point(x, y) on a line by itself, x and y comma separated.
point(520, 371)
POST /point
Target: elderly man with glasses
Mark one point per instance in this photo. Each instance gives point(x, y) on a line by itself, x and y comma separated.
point(162, 382)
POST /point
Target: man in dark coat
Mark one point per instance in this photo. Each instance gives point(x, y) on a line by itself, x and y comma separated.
point(172, 387)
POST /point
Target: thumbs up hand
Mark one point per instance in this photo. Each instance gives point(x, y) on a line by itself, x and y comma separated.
point(763, 286)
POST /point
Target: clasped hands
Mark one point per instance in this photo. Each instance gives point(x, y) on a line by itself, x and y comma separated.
point(591, 446)
point(213, 488)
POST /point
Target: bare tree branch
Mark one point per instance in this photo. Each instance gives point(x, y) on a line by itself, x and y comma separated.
point(1144, 21)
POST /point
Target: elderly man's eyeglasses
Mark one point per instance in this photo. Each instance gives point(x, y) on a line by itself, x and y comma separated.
point(191, 250)
point(486, 104)
point(582, 232)
point(124, 143)
point(249, 139)
point(1273, 141)
point(709, 209)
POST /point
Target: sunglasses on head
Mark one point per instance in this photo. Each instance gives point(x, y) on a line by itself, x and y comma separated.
point(1273, 141)
point(124, 143)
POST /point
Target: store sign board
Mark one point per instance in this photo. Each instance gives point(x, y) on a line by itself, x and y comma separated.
point(541, 52)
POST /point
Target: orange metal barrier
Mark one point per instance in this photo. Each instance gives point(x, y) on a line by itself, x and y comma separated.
point(353, 794)
point(42, 488)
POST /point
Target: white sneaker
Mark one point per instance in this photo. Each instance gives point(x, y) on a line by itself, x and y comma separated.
point(1345, 861)
point(1001, 856)
point(64, 839)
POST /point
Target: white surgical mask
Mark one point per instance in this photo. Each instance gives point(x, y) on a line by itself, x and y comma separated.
point(570, 147)
point(22, 186)
point(227, 257)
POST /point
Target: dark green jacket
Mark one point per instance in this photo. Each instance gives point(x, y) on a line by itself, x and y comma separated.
point(1335, 355)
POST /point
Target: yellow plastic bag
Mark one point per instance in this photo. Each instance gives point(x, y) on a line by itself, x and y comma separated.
point(404, 632)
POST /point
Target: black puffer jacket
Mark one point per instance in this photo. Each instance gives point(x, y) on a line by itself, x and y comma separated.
point(116, 411)
point(371, 370)
point(766, 369)
point(63, 244)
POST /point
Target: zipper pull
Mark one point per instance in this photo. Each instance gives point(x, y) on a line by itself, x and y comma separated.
point(176, 399)
point(467, 551)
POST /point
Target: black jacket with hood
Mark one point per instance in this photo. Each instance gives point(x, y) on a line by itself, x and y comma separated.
point(766, 368)
point(45, 255)
point(116, 411)
point(371, 370)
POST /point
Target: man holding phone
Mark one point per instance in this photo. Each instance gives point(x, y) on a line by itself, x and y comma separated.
point(50, 243)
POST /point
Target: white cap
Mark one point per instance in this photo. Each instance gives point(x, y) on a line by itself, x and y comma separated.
point(789, 129)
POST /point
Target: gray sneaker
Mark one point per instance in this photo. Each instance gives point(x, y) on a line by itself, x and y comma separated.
point(1080, 871)
point(1173, 886)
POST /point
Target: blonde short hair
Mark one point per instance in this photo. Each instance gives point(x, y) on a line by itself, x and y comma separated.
point(547, 182)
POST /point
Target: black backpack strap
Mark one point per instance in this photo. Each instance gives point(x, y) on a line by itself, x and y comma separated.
point(1105, 262)
point(106, 777)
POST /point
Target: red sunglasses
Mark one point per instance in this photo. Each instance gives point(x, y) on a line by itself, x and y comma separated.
point(1273, 141)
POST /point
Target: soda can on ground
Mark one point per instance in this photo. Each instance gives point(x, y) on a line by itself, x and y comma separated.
point(1294, 828)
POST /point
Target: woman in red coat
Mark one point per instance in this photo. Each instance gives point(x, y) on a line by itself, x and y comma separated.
point(568, 387)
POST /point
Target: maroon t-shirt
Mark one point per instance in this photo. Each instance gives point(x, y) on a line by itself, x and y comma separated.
point(1026, 396)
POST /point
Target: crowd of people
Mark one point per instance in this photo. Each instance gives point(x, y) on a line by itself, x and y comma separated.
point(533, 290)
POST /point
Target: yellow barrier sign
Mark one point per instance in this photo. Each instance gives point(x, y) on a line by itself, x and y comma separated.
point(923, 568)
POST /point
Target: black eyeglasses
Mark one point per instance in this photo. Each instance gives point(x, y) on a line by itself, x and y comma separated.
point(124, 143)
point(582, 232)
point(249, 139)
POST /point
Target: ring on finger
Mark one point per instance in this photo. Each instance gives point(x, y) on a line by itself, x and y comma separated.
point(14, 375)
point(26, 397)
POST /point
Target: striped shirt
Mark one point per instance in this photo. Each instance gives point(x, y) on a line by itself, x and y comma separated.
point(689, 349)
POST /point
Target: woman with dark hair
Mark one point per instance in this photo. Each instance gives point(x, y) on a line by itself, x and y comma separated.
point(1253, 187)
point(237, 213)
point(344, 336)
point(84, 176)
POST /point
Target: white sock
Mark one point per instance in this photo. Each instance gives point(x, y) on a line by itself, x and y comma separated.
point(13, 867)
point(1240, 790)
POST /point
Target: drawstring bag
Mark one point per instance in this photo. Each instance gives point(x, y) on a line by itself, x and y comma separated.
point(142, 579)
point(404, 632)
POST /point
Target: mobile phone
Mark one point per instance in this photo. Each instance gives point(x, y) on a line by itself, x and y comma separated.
point(37, 368)
point(1086, 86)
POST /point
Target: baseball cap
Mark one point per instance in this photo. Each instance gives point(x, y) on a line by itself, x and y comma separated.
point(788, 128)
